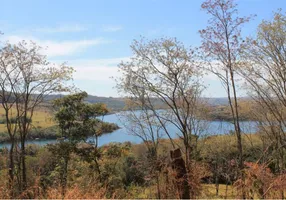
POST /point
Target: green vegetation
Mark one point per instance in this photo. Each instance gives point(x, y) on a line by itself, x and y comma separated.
point(162, 84)
point(44, 127)
point(124, 172)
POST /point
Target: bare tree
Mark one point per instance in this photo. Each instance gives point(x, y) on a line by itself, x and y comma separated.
point(221, 43)
point(8, 79)
point(264, 70)
point(165, 71)
point(139, 120)
point(26, 79)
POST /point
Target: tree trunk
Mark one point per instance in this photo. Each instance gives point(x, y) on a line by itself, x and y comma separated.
point(11, 169)
point(64, 176)
point(97, 168)
point(238, 130)
point(24, 170)
point(236, 125)
point(281, 170)
point(18, 172)
point(158, 186)
point(216, 184)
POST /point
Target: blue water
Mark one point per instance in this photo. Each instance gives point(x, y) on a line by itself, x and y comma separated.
point(213, 128)
point(122, 135)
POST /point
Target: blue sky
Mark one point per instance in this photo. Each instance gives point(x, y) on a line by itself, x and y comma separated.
point(93, 36)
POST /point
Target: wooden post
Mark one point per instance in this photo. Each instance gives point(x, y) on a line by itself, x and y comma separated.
point(178, 164)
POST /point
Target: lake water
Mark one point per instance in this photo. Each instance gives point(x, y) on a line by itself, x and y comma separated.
point(121, 135)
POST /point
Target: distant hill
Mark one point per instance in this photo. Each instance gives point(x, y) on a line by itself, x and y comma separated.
point(220, 101)
point(117, 104)
point(223, 101)
point(113, 103)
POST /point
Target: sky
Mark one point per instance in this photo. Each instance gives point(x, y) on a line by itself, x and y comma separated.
point(94, 36)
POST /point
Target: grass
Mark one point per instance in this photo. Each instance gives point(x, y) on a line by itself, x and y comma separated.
point(224, 192)
point(208, 192)
point(42, 118)
point(43, 125)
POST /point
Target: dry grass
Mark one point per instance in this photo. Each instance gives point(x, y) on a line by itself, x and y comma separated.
point(209, 192)
point(76, 193)
point(42, 118)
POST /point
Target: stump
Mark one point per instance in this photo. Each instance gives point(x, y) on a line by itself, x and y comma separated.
point(178, 165)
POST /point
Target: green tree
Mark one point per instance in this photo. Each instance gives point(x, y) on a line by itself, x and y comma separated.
point(76, 120)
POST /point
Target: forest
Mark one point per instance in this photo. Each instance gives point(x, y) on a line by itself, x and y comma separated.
point(162, 86)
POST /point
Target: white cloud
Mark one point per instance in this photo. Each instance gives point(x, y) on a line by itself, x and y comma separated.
point(112, 28)
point(95, 76)
point(53, 48)
point(108, 62)
point(62, 29)
point(211, 76)
point(97, 70)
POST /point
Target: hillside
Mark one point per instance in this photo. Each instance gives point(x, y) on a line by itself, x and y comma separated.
point(117, 103)
point(113, 103)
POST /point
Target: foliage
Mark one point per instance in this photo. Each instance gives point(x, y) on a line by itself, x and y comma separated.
point(162, 81)
point(76, 121)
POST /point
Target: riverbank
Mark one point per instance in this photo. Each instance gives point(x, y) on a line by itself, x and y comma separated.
point(50, 133)
point(120, 134)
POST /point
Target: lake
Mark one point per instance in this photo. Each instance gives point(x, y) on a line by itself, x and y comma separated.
point(121, 135)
